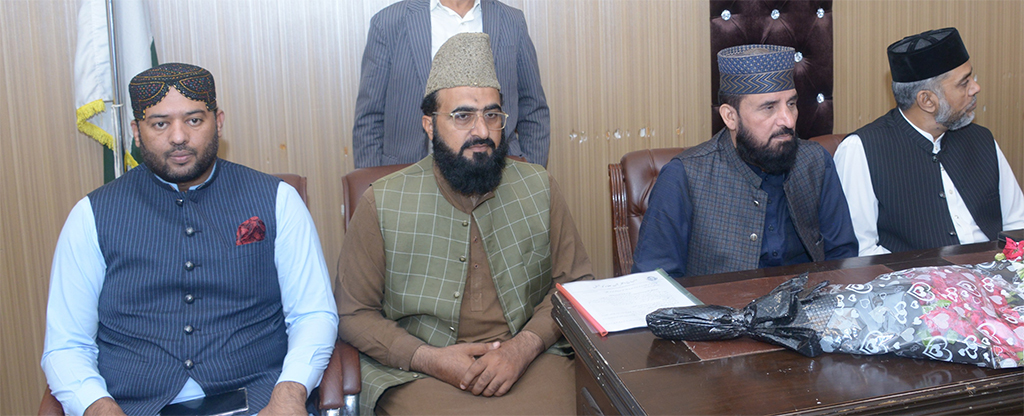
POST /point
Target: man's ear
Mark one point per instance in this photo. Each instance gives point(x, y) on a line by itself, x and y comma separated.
point(730, 116)
point(220, 120)
point(428, 126)
point(928, 101)
point(135, 133)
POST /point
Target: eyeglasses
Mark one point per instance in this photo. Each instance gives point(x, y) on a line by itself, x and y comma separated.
point(465, 120)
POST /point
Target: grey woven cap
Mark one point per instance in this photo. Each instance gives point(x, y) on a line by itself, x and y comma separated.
point(465, 60)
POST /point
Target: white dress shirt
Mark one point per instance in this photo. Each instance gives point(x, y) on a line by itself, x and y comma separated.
point(76, 278)
point(445, 23)
point(852, 165)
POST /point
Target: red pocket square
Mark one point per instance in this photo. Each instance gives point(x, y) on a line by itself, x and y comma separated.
point(251, 231)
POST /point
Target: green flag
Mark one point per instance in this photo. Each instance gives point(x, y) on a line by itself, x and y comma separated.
point(94, 92)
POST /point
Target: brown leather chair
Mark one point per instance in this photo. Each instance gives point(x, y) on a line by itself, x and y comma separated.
point(342, 382)
point(830, 141)
point(358, 181)
point(631, 181)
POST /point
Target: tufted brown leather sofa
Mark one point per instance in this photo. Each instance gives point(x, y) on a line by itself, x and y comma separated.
point(631, 181)
point(805, 25)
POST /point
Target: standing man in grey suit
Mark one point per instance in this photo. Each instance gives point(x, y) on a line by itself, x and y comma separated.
point(402, 41)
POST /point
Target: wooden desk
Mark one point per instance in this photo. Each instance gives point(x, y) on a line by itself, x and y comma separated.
point(633, 372)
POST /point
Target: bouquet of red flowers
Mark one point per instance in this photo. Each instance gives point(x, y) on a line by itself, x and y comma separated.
point(967, 314)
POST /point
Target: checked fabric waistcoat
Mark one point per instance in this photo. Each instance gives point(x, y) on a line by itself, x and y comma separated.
point(180, 298)
point(426, 245)
point(729, 205)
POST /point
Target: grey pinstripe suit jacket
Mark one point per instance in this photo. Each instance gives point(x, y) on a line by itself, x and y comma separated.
point(396, 63)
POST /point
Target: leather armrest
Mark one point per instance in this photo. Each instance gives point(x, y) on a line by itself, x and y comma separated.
point(342, 376)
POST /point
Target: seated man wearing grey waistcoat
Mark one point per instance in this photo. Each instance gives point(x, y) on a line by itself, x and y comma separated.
point(923, 175)
point(448, 266)
point(189, 276)
point(753, 196)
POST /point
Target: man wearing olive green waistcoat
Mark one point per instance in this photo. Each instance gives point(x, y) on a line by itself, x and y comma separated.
point(448, 266)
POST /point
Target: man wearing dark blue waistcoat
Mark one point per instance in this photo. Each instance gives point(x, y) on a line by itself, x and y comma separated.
point(188, 276)
point(923, 175)
point(753, 196)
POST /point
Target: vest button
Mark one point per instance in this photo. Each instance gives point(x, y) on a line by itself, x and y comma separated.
point(465, 223)
point(757, 203)
point(462, 259)
point(189, 231)
point(457, 294)
point(189, 298)
point(189, 329)
point(189, 265)
point(179, 201)
point(935, 158)
point(942, 195)
point(952, 233)
point(451, 328)
point(753, 237)
point(189, 364)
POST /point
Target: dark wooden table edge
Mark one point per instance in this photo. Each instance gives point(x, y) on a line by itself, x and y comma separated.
point(935, 399)
point(1009, 386)
point(606, 377)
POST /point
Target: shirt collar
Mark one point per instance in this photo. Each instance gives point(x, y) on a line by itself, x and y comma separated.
point(436, 5)
point(936, 141)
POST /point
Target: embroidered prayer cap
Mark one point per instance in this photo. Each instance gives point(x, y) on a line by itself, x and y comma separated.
point(756, 69)
point(465, 60)
point(151, 86)
point(922, 56)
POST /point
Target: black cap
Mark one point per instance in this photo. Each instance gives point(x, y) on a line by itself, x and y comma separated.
point(922, 56)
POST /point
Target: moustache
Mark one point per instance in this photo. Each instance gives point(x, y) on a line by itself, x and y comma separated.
point(783, 132)
point(180, 150)
point(477, 141)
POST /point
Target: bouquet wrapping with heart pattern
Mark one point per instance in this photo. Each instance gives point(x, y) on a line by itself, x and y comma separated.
point(965, 314)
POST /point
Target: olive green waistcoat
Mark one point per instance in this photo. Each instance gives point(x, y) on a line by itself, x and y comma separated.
point(426, 247)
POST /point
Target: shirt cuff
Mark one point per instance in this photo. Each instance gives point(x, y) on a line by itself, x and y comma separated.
point(88, 393)
point(546, 329)
point(304, 373)
point(401, 351)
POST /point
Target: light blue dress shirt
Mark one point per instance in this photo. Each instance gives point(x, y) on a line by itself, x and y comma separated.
point(76, 278)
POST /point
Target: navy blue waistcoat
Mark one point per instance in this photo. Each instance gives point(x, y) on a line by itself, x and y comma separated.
point(912, 209)
point(180, 299)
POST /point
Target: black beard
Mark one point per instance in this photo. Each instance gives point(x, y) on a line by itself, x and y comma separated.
point(772, 161)
point(158, 165)
point(470, 177)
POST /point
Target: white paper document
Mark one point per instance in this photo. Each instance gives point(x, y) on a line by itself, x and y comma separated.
point(622, 303)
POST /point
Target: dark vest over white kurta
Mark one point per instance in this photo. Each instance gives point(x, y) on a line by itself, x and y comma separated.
point(905, 174)
point(180, 299)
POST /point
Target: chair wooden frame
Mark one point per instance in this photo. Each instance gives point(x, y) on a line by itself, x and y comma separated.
point(629, 198)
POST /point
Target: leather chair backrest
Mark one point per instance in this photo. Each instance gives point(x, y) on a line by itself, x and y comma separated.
point(297, 182)
point(356, 182)
point(830, 142)
point(631, 181)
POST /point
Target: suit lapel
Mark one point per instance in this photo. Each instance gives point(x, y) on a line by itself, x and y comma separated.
point(418, 33)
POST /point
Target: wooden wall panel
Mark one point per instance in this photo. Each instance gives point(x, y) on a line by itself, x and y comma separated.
point(620, 75)
point(45, 167)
